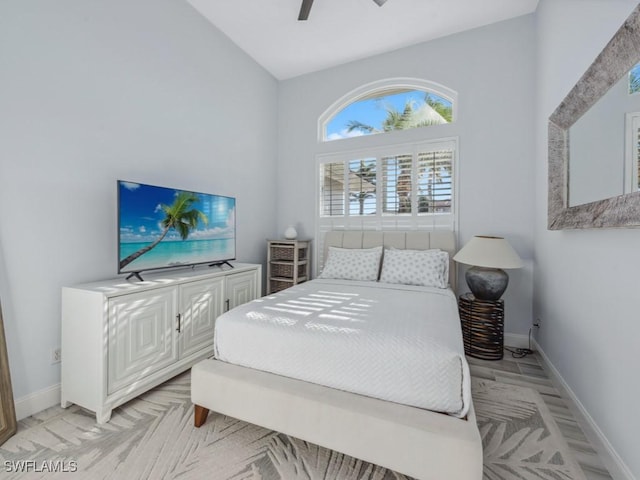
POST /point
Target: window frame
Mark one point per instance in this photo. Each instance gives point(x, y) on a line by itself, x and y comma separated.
point(427, 221)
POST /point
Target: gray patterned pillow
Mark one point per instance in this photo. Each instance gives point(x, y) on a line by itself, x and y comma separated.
point(352, 264)
point(427, 268)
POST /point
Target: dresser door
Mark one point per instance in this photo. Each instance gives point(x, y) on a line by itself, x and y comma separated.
point(241, 288)
point(200, 304)
point(142, 335)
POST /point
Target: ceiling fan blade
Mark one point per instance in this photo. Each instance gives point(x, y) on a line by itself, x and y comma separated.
point(305, 8)
point(380, 2)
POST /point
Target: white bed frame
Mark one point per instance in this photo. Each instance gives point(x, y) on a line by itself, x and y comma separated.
point(416, 442)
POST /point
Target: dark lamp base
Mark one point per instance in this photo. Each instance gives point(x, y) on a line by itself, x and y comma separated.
point(487, 283)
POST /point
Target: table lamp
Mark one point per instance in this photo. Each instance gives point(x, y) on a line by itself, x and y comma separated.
point(488, 256)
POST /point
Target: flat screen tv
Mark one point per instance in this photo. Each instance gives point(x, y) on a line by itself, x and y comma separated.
point(160, 227)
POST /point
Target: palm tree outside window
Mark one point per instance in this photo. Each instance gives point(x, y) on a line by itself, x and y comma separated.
point(394, 176)
point(389, 110)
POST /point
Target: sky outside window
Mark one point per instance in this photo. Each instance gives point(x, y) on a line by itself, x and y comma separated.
point(393, 111)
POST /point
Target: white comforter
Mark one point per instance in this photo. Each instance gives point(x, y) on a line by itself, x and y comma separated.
point(394, 342)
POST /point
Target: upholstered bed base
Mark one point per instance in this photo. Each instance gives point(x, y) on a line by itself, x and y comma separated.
point(419, 443)
point(416, 442)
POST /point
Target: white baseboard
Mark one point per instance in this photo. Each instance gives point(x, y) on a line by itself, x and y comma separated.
point(37, 401)
point(616, 466)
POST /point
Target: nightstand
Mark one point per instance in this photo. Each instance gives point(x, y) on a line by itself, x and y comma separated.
point(287, 263)
point(482, 327)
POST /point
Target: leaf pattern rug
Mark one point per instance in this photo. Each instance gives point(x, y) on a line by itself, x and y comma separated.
point(152, 437)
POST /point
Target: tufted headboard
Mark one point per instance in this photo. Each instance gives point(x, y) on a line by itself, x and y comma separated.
point(418, 240)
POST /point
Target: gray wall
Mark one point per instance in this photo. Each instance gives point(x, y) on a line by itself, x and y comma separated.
point(492, 69)
point(586, 281)
point(92, 91)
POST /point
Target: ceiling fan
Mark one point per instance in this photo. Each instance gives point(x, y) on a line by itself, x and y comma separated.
point(305, 8)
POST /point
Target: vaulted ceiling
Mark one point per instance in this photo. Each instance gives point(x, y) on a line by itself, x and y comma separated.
point(340, 31)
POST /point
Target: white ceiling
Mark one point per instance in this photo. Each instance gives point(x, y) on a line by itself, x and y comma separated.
point(339, 31)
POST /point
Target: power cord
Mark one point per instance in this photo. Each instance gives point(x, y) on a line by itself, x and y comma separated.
point(521, 352)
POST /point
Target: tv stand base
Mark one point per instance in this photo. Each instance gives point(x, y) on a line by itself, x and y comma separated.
point(220, 264)
point(134, 274)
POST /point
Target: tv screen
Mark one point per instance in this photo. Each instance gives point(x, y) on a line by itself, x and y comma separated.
point(161, 227)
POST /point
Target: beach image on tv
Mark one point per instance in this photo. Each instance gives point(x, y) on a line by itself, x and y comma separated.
point(164, 227)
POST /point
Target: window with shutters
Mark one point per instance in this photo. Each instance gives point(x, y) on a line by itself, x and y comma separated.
point(401, 187)
point(383, 184)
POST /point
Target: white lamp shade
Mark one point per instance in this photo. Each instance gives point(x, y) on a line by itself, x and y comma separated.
point(489, 252)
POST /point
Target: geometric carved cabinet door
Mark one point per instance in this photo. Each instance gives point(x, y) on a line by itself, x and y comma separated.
point(200, 304)
point(142, 335)
point(241, 288)
point(123, 338)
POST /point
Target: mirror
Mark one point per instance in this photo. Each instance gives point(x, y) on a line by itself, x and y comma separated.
point(588, 181)
point(600, 165)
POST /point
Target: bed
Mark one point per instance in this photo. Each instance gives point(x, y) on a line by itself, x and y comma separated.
point(411, 397)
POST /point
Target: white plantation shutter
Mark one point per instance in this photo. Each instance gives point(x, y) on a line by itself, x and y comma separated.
point(397, 184)
point(405, 187)
point(362, 186)
point(435, 181)
point(332, 189)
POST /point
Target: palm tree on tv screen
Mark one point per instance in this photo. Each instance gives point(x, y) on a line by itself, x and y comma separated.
point(180, 215)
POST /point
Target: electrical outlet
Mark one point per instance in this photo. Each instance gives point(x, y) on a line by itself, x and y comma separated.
point(56, 355)
point(537, 323)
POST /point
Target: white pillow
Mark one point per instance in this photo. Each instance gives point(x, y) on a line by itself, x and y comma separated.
point(427, 268)
point(352, 264)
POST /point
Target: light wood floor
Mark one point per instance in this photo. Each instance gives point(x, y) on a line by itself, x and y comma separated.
point(528, 372)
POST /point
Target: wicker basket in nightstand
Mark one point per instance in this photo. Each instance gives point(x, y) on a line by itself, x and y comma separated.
point(482, 327)
point(287, 263)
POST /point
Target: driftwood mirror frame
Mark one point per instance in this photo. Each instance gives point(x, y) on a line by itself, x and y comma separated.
point(615, 60)
point(8, 424)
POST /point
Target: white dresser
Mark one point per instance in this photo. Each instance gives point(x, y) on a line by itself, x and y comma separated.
point(121, 338)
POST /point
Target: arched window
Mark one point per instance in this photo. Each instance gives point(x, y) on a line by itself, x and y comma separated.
point(396, 104)
point(387, 185)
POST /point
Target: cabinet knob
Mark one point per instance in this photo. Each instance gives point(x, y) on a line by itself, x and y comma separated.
point(179, 318)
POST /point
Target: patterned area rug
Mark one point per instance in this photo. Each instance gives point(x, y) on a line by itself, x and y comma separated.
point(520, 438)
point(152, 437)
